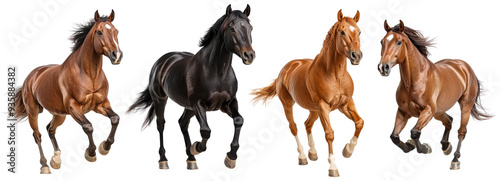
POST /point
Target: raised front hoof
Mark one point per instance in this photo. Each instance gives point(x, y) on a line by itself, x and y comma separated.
point(410, 144)
point(347, 152)
point(191, 165)
point(90, 158)
point(193, 148)
point(448, 150)
point(302, 161)
point(102, 150)
point(55, 162)
point(455, 166)
point(312, 156)
point(163, 165)
point(333, 173)
point(427, 149)
point(45, 170)
point(229, 163)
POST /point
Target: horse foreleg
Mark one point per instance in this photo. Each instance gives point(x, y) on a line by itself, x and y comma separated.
point(324, 116)
point(201, 115)
point(424, 118)
point(447, 120)
point(400, 123)
point(55, 162)
point(230, 160)
point(312, 153)
point(105, 109)
point(77, 114)
point(349, 110)
point(184, 124)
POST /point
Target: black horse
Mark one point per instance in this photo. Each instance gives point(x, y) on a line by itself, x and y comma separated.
point(201, 82)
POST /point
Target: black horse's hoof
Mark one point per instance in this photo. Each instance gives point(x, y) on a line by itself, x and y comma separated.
point(448, 150)
point(229, 163)
point(455, 166)
point(302, 161)
point(193, 148)
point(191, 165)
point(163, 164)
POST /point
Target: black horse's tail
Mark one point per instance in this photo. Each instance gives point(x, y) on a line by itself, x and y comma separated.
point(478, 111)
point(144, 101)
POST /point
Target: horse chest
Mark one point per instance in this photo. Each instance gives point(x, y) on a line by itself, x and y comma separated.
point(90, 101)
point(217, 100)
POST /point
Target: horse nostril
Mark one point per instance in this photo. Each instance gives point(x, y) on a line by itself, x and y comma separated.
point(114, 54)
point(353, 55)
point(386, 67)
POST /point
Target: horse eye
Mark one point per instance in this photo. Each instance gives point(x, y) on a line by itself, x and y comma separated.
point(99, 32)
point(359, 33)
point(342, 33)
point(398, 43)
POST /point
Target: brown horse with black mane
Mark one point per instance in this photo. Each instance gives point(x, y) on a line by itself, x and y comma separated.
point(428, 90)
point(321, 86)
point(75, 87)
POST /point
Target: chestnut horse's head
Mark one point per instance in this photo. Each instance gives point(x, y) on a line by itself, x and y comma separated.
point(393, 48)
point(106, 38)
point(347, 37)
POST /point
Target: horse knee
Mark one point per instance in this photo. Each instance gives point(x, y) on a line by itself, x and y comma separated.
point(329, 137)
point(238, 122)
point(115, 120)
point(360, 124)
point(88, 128)
point(205, 133)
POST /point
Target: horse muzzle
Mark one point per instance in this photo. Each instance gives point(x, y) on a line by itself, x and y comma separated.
point(384, 69)
point(115, 57)
point(355, 57)
point(247, 56)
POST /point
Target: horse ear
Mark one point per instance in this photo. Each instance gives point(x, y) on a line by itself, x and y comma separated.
point(386, 26)
point(247, 10)
point(339, 15)
point(96, 16)
point(112, 15)
point(228, 10)
point(401, 26)
point(356, 17)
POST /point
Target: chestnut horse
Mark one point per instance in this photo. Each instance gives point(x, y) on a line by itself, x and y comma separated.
point(201, 82)
point(75, 87)
point(428, 90)
point(321, 86)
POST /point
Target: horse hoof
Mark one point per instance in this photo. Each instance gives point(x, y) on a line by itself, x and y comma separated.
point(55, 162)
point(102, 150)
point(90, 158)
point(411, 145)
point(193, 148)
point(312, 156)
point(448, 150)
point(163, 164)
point(229, 163)
point(428, 148)
point(455, 166)
point(333, 173)
point(45, 170)
point(191, 165)
point(347, 152)
point(302, 161)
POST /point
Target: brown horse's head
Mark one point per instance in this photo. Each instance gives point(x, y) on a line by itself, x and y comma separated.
point(106, 38)
point(393, 48)
point(347, 37)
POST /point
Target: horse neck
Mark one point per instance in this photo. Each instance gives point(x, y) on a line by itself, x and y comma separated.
point(329, 59)
point(415, 67)
point(219, 59)
point(86, 58)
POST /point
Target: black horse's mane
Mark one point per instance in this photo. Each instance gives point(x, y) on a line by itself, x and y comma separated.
point(214, 30)
point(82, 30)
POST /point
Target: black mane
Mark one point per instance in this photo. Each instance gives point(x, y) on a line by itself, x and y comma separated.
point(81, 32)
point(214, 30)
point(416, 38)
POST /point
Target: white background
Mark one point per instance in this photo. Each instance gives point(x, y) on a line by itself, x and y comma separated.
point(283, 30)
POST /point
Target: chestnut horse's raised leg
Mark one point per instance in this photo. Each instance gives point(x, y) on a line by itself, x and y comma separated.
point(324, 116)
point(77, 114)
point(184, 124)
point(349, 110)
point(201, 115)
point(400, 123)
point(230, 160)
point(55, 162)
point(312, 153)
point(424, 118)
point(105, 109)
point(447, 120)
point(455, 164)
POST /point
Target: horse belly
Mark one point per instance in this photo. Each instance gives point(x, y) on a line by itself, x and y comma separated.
point(297, 88)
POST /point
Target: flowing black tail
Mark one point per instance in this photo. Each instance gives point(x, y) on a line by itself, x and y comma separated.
point(144, 101)
point(476, 113)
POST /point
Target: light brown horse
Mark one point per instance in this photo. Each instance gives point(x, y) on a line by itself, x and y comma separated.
point(428, 90)
point(75, 88)
point(321, 86)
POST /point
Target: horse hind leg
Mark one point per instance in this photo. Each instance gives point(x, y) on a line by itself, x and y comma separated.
point(288, 102)
point(55, 161)
point(350, 112)
point(33, 109)
point(447, 122)
point(312, 153)
point(184, 125)
point(465, 115)
point(159, 108)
